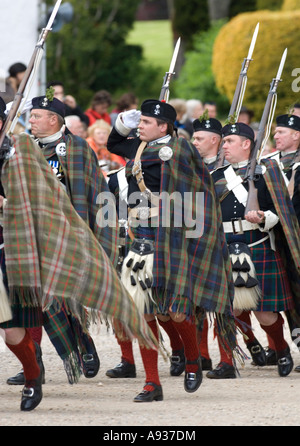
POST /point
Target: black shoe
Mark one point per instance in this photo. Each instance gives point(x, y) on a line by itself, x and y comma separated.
point(222, 371)
point(257, 353)
point(91, 364)
point(147, 396)
point(192, 380)
point(297, 369)
point(271, 356)
point(177, 361)
point(122, 370)
point(17, 380)
point(206, 363)
point(32, 392)
point(285, 362)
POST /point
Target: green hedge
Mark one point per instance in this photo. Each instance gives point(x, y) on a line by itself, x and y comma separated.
point(277, 31)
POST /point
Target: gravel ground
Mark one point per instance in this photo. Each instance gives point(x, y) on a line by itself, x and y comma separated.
point(259, 397)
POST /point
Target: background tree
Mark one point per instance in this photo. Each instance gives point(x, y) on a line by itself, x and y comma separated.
point(91, 53)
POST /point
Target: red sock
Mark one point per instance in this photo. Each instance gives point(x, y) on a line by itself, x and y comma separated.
point(202, 336)
point(25, 352)
point(36, 334)
point(188, 333)
point(245, 326)
point(170, 329)
point(126, 351)
point(275, 331)
point(124, 343)
point(150, 360)
point(270, 342)
point(225, 355)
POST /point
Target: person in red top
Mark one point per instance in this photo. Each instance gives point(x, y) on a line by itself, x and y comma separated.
point(98, 110)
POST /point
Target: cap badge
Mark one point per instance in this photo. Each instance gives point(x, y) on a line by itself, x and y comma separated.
point(291, 121)
point(44, 102)
point(157, 109)
point(207, 124)
point(233, 128)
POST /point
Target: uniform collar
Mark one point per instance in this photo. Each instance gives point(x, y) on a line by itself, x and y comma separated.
point(51, 138)
point(210, 160)
point(240, 164)
point(161, 140)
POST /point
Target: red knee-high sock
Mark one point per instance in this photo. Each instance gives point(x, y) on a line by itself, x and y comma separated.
point(36, 334)
point(124, 343)
point(188, 333)
point(25, 352)
point(203, 336)
point(150, 360)
point(270, 342)
point(126, 351)
point(245, 326)
point(225, 355)
point(275, 331)
point(175, 340)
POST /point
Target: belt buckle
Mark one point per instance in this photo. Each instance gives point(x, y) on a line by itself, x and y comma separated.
point(240, 226)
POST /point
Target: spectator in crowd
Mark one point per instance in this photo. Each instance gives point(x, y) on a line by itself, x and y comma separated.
point(97, 138)
point(99, 107)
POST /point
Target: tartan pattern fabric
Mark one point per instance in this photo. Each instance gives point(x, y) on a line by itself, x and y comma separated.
point(85, 183)
point(277, 272)
point(50, 251)
point(197, 269)
point(271, 274)
point(287, 234)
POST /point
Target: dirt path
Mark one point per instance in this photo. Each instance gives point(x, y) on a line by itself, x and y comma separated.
point(258, 398)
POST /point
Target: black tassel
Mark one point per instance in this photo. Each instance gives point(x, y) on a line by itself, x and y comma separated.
point(251, 282)
point(245, 267)
point(136, 267)
point(129, 263)
point(237, 265)
point(132, 280)
point(239, 282)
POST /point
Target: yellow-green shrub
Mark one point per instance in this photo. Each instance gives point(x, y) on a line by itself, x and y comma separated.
point(290, 5)
point(277, 30)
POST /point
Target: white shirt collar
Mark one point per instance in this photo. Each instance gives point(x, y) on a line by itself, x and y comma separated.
point(51, 138)
point(210, 160)
point(287, 152)
point(161, 140)
point(240, 164)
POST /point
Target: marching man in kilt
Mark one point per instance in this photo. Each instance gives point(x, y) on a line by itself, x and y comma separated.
point(174, 266)
point(54, 258)
point(260, 242)
point(207, 139)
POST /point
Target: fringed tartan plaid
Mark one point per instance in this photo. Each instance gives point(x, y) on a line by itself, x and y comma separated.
point(190, 272)
point(50, 251)
point(197, 268)
point(287, 234)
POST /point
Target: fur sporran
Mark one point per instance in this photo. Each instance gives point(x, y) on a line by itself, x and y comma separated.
point(246, 287)
point(137, 273)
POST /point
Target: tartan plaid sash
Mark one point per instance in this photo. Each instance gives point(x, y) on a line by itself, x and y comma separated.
point(51, 253)
point(195, 268)
point(287, 233)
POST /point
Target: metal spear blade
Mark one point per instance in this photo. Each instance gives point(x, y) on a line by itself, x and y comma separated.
point(252, 45)
point(53, 14)
point(174, 58)
point(282, 62)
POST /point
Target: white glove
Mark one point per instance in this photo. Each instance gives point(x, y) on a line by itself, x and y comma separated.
point(131, 118)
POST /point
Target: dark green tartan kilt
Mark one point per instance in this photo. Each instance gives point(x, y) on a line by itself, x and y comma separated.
point(162, 302)
point(271, 274)
point(27, 317)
